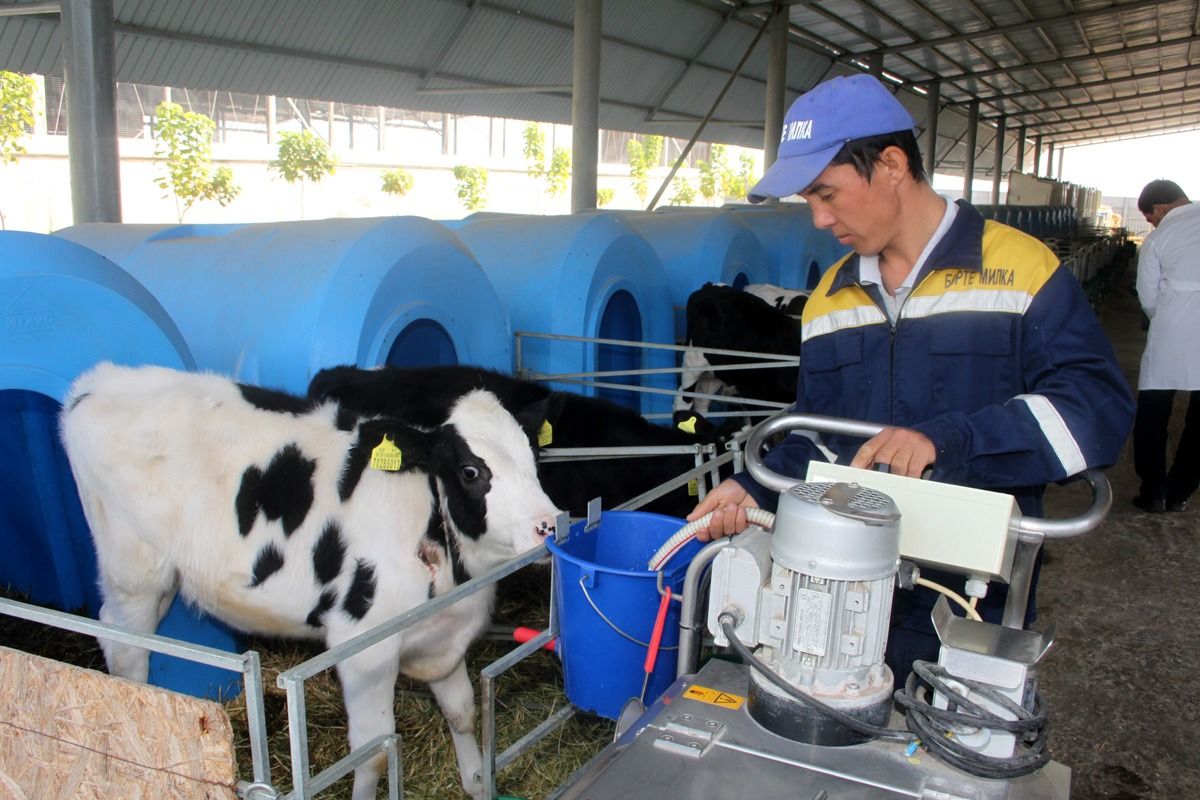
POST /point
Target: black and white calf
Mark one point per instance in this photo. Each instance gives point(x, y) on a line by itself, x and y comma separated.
point(725, 318)
point(423, 393)
point(290, 518)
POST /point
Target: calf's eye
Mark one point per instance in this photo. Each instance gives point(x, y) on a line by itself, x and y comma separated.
point(468, 473)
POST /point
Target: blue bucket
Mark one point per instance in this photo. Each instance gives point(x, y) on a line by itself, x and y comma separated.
point(607, 602)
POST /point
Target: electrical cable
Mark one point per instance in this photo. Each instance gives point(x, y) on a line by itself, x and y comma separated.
point(727, 623)
point(950, 595)
point(936, 727)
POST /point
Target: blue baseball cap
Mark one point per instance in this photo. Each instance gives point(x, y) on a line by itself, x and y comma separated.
point(820, 122)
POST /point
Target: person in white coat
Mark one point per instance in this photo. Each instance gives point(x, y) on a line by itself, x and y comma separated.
point(1168, 287)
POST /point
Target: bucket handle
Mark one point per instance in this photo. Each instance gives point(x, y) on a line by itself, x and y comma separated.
point(611, 624)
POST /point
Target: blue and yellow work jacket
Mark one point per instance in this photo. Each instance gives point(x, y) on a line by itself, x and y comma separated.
point(996, 357)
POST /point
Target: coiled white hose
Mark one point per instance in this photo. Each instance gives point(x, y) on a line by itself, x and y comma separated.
point(688, 532)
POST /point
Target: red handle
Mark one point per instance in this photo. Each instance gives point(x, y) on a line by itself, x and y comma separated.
point(656, 636)
point(523, 635)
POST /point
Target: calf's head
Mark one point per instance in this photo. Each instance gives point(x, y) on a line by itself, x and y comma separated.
point(487, 480)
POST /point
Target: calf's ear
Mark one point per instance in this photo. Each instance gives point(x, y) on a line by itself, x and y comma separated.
point(540, 417)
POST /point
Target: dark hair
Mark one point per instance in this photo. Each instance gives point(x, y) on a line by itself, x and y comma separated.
point(1157, 192)
point(863, 153)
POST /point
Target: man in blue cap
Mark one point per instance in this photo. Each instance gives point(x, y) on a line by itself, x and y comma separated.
point(962, 335)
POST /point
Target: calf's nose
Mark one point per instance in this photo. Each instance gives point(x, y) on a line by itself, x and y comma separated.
point(545, 528)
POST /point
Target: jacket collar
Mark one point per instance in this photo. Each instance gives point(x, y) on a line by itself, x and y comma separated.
point(960, 248)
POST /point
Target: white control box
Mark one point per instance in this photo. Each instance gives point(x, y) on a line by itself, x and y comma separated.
point(967, 531)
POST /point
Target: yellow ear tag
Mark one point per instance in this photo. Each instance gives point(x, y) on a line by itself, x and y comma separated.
point(545, 433)
point(693, 488)
point(386, 456)
point(688, 425)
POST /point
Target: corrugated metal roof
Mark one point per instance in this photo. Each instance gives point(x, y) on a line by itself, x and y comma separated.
point(1071, 70)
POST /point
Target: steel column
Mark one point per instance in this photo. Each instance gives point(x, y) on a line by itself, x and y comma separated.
point(585, 105)
point(972, 136)
point(998, 166)
point(1050, 160)
point(776, 83)
point(87, 29)
point(1037, 155)
point(1022, 132)
point(933, 97)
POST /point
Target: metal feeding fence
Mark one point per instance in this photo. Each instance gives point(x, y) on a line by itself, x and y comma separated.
point(306, 784)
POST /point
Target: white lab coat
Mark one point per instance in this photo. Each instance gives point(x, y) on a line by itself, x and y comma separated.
point(1168, 287)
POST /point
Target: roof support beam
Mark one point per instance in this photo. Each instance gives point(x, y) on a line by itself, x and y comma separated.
point(1098, 130)
point(1161, 73)
point(88, 38)
point(585, 105)
point(998, 164)
point(933, 98)
point(712, 110)
point(1033, 24)
point(1022, 134)
point(1091, 104)
point(972, 133)
point(1059, 62)
point(1088, 118)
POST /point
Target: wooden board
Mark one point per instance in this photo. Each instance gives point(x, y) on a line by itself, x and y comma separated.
point(67, 732)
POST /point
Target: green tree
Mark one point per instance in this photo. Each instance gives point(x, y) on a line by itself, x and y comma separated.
point(682, 192)
point(559, 172)
point(16, 113)
point(472, 186)
point(398, 181)
point(535, 151)
point(555, 174)
point(643, 156)
point(712, 174)
point(183, 140)
point(739, 183)
point(303, 156)
point(604, 197)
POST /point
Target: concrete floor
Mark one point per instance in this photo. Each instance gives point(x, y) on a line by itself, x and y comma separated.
point(1121, 679)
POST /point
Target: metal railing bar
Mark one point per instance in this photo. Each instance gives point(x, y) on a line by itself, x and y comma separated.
point(679, 348)
point(747, 401)
point(149, 641)
point(765, 362)
point(544, 729)
point(343, 767)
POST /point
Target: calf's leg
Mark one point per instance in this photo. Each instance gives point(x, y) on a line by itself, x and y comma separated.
point(138, 608)
point(369, 687)
point(456, 698)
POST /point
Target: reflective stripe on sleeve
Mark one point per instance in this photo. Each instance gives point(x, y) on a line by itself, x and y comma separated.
point(1056, 432)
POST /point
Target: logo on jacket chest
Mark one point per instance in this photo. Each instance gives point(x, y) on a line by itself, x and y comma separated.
point(990, 277)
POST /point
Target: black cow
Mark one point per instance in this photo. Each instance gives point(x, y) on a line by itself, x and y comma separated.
point(731, 319)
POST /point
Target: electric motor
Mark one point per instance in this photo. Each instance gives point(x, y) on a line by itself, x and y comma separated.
point(815, 597)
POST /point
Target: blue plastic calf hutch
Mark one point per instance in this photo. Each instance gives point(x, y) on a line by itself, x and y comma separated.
point(698, 246)
point(273, 303)
point(66, 308)
point(607, 603)
point(586, 275)
point(799, 252)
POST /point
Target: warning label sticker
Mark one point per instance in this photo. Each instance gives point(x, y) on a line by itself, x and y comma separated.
point(714, 697)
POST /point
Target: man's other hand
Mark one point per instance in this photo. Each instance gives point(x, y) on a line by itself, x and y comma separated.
point(905, 451)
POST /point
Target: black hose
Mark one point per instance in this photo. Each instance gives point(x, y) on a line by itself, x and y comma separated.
point(936, 726)
point(728, 625)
